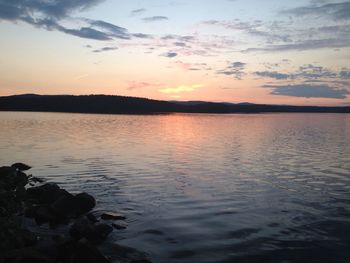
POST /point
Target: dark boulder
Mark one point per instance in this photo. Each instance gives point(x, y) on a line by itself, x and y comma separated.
point(112, 216)
point(119, 226)
point(92, 218)
point(43, 214)
point(21, 166)
point(69, 205)
point(103, 230)
point(84, 203)
point(45, 194)
point(65, 206)
point(87, 253)
point(82, 228)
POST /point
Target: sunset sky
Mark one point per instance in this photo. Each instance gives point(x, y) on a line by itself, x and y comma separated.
point(259, 51)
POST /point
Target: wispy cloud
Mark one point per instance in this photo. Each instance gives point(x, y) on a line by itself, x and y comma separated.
point(155, 18)
point(104, 49)
point(235, 69)
point(181, 89)
point(169, 54)
point(337, 11)
point(137, 11)
point(308, 91)
point(50, 14)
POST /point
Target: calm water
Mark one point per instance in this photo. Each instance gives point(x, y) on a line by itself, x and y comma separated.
point(202, 188)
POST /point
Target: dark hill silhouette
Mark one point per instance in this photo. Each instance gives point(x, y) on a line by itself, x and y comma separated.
point(133, 105)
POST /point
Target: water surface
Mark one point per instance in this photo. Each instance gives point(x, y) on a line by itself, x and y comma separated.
point(200, 187)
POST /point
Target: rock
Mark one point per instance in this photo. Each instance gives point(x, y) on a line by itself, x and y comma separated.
point(82, 228)
point(45, 194)
point(84, 203)
point(112, 216)
point(103, 230)
point(65, 206)
point(92, 218)
point(68, 206)
point(21, 166)
point(87, 253)
point(43, 215)
point(26, 255)
point(119, 226)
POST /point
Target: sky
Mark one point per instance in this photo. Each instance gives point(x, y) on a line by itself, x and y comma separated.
point(259, 51)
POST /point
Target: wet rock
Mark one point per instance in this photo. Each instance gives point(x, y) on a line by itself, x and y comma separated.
point(65, 206)
point(87, 253)
point(103, 230)
point(43, 214)
point(82, 228)
point(21, 166)
point(92, 218)
point(68, 205)
point(45, 194)
point(112, 216)
point(119, 226)
point(84, 203)
point(26, 255)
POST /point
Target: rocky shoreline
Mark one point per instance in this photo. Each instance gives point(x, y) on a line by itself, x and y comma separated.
point(41, 222)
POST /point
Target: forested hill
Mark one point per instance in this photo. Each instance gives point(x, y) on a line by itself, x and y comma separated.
point(133, 105)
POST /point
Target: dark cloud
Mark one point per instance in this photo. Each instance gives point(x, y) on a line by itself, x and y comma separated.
point(337, 11)
point(169, 54)
point(137, 11)
point(104, 49)
point(113, 30)
point(308, 91)
point(47, 14)
point(253, 28)
point(85, 32)
point(272, 74)
point(345, 74)
point(304, 45)
point(235, 69)
point(22, 9)
point(141, 35)
point(155, 18)
point(180, 44)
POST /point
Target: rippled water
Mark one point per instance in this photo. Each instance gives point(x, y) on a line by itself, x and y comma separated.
point(202, 188)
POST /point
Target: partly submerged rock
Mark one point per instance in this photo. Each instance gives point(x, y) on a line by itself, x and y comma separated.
point(84, 203)
point(83, 228)
point(46, 193)
point(112, 216)
point(119, 226)
point(21, 166)
point(87, 253)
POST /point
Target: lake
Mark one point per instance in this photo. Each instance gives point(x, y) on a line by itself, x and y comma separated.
point(202, 187)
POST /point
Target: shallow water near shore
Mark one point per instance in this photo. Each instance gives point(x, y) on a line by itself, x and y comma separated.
point(200, 187)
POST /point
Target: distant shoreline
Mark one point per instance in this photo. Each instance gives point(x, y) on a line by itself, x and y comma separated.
point(106, 104)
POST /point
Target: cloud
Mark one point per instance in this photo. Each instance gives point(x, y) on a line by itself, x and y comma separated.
point(85, 32)
point(303, 45)
point(181, 89)
point(141, 35)
point(48, 14)
point(104, 49)
point(272, 74)
point(308, 91)
point(169, 54)
point(138, 85)
point(137, 11)
point(234, 69)
point(345, 74)
point(337, 11)
point(155, 18)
